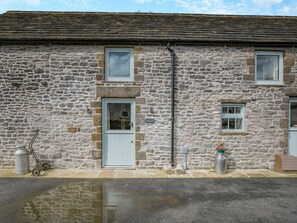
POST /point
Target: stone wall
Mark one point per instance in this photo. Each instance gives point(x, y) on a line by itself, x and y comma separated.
point(53, 88)
point(48, 88)
point(207, 77)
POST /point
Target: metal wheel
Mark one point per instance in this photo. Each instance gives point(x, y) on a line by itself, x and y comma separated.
point(46, 166)
point(35, 172)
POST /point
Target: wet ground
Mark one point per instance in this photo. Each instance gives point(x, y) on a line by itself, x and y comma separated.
point(148, 200)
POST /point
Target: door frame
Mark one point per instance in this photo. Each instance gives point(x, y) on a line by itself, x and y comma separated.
point(105, 101)
point(290, 129)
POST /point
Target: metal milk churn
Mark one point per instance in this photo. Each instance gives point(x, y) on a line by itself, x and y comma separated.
point(220, 163)
point(22, 160)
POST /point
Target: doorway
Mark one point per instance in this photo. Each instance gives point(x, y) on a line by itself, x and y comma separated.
point(118, 134)
point(292, 145)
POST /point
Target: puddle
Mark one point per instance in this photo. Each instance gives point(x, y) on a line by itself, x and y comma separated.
point(147, 200)
point(92, 201)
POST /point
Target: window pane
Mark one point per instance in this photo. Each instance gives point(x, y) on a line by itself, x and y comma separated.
point(231, 110)
point(293, 114)
point(238, 123)
point(231, 123)
point(118, 116)
point(225, 110)
point(119, 64)
point(238, 110)
point(267, 67)
point(224, 123)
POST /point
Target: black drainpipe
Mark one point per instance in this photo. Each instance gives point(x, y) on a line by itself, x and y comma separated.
point(172, 100)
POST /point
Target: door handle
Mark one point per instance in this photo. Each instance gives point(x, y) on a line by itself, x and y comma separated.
point(131, 141)
point(131, 124)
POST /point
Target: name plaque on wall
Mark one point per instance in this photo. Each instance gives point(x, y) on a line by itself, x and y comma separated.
point(149, 120)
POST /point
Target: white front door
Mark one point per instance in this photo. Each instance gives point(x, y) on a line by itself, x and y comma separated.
point(293, 128)
point(118, 132)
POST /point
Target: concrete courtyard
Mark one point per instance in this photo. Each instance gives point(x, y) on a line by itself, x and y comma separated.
point(148, 200)
point(148, 196)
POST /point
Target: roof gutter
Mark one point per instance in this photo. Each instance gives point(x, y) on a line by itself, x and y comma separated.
point(145, 41)
point(172, 101)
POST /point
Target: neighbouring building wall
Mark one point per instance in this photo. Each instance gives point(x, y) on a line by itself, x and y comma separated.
point(48, 88)
point(53, 88)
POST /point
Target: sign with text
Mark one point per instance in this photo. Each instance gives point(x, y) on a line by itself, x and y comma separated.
point(149, 120)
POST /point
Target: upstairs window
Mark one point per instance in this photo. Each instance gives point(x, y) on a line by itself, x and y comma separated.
point(269, 67)
point(232, 116)
point(119, 64)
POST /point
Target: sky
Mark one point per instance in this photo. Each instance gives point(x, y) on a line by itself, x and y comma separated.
point(237, 7)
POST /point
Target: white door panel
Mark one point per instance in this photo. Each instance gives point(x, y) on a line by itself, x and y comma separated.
point(119, 150)
point(293, 143)
point(118, 132)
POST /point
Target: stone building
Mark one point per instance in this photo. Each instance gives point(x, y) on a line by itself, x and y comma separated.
point(98, 86)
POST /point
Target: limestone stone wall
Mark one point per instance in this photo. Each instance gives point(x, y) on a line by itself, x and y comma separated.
point(206, 78)
point(48, 87)
point(58, 89)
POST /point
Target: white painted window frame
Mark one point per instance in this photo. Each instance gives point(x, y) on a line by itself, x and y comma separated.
point(118, 79)
point(280, 64)
point(241, 115)
point(289, 124)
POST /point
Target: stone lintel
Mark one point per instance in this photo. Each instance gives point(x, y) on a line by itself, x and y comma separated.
point(234, 100)
point(268, 85)
point(291, 94)
point(118, 92)
point(234, 133)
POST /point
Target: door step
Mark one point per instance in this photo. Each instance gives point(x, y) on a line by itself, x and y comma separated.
point(284, 162)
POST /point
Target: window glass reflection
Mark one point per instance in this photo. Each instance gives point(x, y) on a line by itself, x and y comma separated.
point(118, 116)
point(119, 64)
point(293, 114)
point(267, 67)
point(224, 123)
point(231, 123)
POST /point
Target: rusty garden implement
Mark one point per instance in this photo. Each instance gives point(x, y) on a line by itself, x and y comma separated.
point(39, 166)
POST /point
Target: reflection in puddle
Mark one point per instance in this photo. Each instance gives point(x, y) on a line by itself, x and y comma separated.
point(89, 201)
point(34, 210)
point(69, 203)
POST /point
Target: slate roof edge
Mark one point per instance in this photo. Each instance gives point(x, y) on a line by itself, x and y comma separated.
point(232, 31)
point(149, 13)
point(142, 40)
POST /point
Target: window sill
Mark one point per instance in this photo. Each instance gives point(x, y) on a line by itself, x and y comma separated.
point(269, 85)
point(119, 81)
point(234, 133)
